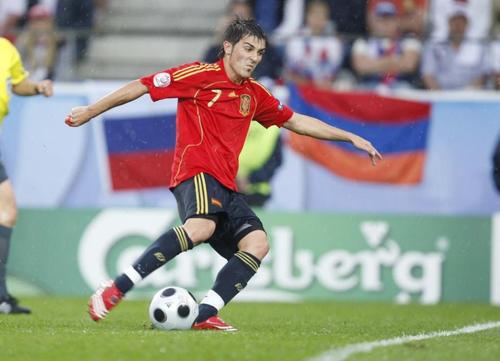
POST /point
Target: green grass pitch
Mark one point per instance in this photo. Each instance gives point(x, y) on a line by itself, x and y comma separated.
point(59, 329)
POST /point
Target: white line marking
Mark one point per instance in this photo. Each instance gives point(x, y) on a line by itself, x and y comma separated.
point(339, 354)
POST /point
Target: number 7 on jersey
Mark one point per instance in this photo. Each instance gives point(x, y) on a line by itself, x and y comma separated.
point(218, 93)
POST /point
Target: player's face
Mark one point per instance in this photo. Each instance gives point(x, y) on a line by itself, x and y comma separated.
point(243, 57)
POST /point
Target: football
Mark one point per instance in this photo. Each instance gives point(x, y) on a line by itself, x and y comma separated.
point(173, 308)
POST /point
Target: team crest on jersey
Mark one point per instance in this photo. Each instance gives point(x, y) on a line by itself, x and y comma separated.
point(161, 80)
point(245, 104)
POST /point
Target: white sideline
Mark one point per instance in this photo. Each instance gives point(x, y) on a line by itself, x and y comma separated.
point(341, 353)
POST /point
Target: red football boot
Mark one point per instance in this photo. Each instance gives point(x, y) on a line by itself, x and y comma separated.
point(213, 323)
point(104, 300)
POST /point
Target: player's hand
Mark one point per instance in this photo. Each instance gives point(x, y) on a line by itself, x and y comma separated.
point(365, 145)
point(78, 116)
point(45, 87)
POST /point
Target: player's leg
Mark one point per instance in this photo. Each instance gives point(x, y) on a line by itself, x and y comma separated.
point(8, 217)
point(199, 226)
point(231, 280)
point(250, 246)
point(164, 249)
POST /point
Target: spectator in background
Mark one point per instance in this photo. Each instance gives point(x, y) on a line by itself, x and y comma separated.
point(258, 161)
point(11, 11)
point(270, 68)
point(316, 55)
point(385, 60)
point(479, 14)
point(457, 63)
point(50, 5)
point(412, 15)
point(268, 13)
point(38, 44)
point(348, 18)
point(291, 21)
point(76, 15)
point(495, 63)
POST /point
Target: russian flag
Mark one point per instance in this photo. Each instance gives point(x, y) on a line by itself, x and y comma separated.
point(140, 150)
point(397, 128)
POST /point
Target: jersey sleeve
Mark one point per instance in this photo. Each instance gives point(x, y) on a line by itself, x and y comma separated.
point(270, 111)
point(180, 82)
point(17, 71)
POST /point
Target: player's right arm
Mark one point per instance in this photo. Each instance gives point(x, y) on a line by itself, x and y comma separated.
point(129, 92)
point(313, 127)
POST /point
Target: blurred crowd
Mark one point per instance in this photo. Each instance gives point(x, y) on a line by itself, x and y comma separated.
point(41, 30)
point(378, 44)
point(339, 44)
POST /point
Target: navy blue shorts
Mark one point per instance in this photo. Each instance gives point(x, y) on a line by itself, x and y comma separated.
point(203, 196)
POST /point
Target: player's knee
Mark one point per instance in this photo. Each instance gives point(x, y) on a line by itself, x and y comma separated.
point(199, 229)
point(262, 249)
point(8, 215)
point(255, 243)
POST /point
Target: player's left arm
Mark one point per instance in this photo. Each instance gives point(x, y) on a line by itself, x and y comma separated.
point(306, 125)
point(29, 87)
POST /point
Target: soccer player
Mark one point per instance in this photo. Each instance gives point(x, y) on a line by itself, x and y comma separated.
point(11, 69)
point(216, 104)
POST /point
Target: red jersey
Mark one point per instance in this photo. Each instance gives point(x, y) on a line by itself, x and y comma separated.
point(213, 117)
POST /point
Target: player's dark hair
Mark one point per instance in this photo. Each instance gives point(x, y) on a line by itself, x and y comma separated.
point(240, 28)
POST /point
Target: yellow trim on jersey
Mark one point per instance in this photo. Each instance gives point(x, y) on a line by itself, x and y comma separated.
point(193, 68)
point(196, 71)
point(262, 86)
point(186, 69)
point(249, 261)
